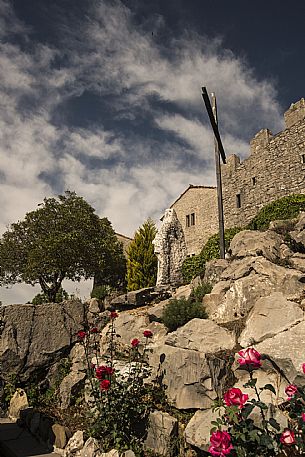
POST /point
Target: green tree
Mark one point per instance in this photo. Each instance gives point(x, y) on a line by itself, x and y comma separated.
point(62, 238)
point(141, 260)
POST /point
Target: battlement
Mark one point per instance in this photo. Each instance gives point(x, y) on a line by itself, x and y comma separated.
point(295, 113)
point(275, 168)
point(260, 140)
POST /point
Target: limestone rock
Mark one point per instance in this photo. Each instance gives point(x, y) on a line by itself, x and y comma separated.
point(78, 358)
point(90, 448)
point(183, 291)
point(94, 306)
point(129, 326)
point(19, 401)
point(170, 248)
point(70, 385)
point(297, 261)
point(197, 432)
point(134, 298)
point(270, 316)
point(162, 429)
point(299, 230)
point(186, 376)
point(235, 298)
point(112, 453)
point(214, 269)
point(36, 336)
point(201, 335)
point(60, 436)
point(155, 312)
point(256, 243)
point(287, 350)
point(75, 443)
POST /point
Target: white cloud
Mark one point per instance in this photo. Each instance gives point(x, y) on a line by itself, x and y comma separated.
point(146, 170)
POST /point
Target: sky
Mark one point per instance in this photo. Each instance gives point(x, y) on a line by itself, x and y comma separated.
point(103, 97)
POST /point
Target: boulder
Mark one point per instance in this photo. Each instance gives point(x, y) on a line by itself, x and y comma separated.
point(155, 312)
point(185, 374)
point(298, 234)
point(129, 326)
point(214, 269)
point(297, 261)
point(33, 337)
point(135, 298)
point(287, 350)
point(236, 297)
point(90, 448)
point(255, 243)
point(75, 443)
point(201, 335)
point(183, 291)
point(19, 401)
point(197, 432)
point(161, 434)
point(60, 436)
point(270, 316)
point(70, 386)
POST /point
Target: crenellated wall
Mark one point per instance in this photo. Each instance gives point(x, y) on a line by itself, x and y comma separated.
point(275, 168)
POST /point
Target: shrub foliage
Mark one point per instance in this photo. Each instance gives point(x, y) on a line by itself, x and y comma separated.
point(180, 311)
point(141, 259)
point(283, 208)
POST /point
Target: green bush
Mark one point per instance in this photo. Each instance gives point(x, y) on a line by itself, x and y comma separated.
point(200, 291)
point(211, 250)
point(192, 267)
point(283, 208)
point(100, 292)
point(195, 266)
point(61, 295)
point(180, 311)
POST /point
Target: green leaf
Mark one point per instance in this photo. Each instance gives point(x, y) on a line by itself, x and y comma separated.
point(269, 387)
point(274, 424)
point(247, 410)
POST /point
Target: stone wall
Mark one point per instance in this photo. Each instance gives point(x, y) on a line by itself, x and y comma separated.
point(202, 202)
point(274, 169)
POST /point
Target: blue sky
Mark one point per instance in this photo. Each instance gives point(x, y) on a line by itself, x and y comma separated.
point(104, 97)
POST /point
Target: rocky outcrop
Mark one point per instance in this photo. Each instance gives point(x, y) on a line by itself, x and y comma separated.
point(33, 337)
point(170, 248)
point(255, 243)
point(162, 433)
point(245, 281)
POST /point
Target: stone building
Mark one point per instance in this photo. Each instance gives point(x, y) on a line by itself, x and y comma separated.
point(196, 209)
point(125, 240)
point(274, 169)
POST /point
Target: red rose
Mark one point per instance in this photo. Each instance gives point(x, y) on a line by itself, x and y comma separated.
point(235, 396)
point(147, 333)
point(135, 342)
point(113, 315)
point(93, 330)
point(291, 390)
point(105, 384)
point(287, 437)
point(303, 417)
point(101, 371)
point(81, 334)
point(303, 367)
point(220, 444)
point(250, 357)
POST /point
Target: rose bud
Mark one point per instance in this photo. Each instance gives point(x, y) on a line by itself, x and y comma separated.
point(249, 357)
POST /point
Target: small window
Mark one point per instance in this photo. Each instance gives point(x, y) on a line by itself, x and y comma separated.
point(303, 158)
point(253, 181)
point(238, 201)
point(188, 220)
point(193, 219)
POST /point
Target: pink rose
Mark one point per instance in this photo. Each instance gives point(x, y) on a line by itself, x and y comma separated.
point(287, 437)
point(303, 367)
point(220, 444)
point(303, 417)
point(250, 357)
point(291, 390)
point(235, 396)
